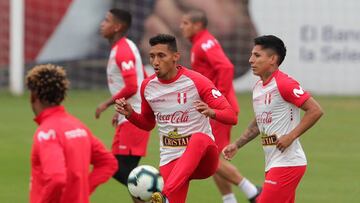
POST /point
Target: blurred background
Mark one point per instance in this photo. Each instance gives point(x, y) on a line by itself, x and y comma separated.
point(323, 42)
point(322, 37)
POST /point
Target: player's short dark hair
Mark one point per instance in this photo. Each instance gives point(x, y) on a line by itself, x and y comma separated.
point(164, 39)
point(273, 43)
point(48, 82)
point(122, 16)
point(198, 15)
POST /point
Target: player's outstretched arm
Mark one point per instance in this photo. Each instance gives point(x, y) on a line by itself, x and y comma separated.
point(102, 107)
point(123, 107)
point(249, 134)
point(145, 120)
point(104, 164)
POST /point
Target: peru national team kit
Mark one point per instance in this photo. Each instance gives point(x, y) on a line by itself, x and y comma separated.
point(62, 152)
point(187, 148)
point(276, 104)
point(125, 73)
point(209, 59)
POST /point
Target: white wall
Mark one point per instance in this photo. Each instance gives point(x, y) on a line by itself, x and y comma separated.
point(322, 38)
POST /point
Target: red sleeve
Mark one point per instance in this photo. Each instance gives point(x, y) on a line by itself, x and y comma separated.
point(129, 89)
point(104, 162)
point(290, 90)
point(224, 68)
point(125, 60)
point(209, 94)
point(146, 119)
point(54, 170)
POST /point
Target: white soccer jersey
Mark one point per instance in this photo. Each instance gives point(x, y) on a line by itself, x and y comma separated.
point(171, 105)
point(125, 60)
point(276, 104)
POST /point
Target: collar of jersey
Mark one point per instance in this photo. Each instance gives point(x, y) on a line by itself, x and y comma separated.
point(198, 35)
point(269, 79)
point(48, 112)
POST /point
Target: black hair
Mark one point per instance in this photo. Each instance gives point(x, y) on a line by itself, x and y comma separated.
point(164, 39)
point(122, 16)
point(48, 82)
point(273, 43)
point(198, 15)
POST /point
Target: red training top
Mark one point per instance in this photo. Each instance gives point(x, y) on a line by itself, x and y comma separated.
point(63, 149)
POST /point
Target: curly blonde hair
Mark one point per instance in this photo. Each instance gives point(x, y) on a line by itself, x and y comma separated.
point(48, 82)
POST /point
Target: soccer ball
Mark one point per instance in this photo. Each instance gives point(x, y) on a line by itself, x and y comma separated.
point(143, 181)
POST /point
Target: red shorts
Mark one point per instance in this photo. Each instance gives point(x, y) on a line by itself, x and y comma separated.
point(130, 140)
point(221, 132)
point(199, 161)
point(280, 184)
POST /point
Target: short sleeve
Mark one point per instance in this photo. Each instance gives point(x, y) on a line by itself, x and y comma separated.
point(125, 60)
point(290, 90)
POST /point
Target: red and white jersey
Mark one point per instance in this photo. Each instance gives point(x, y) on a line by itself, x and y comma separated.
point(63, 149)
point(276, 104)
point(125, 62)
point(171, 104)
point(209, 59)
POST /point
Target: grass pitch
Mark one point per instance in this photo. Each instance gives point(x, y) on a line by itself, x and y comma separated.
point(331, 146)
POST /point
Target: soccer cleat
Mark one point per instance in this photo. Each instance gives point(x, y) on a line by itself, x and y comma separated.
point(253, 199)
point(157, 197)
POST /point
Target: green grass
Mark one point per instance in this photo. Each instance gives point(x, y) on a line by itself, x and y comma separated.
point(333, 173)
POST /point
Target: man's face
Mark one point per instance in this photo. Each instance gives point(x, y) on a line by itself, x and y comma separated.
point(188, 28)
point(109, 26)
point(163, 60)
point(261, 60)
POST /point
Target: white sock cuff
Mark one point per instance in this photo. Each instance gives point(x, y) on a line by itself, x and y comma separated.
point(243, 181)
point(248, 188)
point(229, 198)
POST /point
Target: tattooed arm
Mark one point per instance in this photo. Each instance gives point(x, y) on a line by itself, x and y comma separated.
point(249, 134)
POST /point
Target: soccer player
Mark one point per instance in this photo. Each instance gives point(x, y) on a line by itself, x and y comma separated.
point(63, 147)
point(125, 73)
point(209, 59)
point(277, 100)
point(181, 102)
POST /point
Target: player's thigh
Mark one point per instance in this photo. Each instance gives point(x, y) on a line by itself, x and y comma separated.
point(180, 195)
point(280, 184)
point(208, 164)
point(166, 169)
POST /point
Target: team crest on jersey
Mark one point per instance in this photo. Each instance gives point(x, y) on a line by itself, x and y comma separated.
point(181, 97)
point(267, 98)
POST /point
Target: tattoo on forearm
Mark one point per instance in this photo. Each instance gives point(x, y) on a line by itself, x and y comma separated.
point(250, 133)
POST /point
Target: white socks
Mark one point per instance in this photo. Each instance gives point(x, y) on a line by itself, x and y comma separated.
point(248, 188)
point(229, 198)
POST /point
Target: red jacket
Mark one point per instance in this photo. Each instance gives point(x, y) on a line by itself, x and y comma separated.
point(209, 59)
point(63, 149)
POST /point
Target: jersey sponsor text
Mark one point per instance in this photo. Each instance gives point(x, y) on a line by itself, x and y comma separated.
point(43, 136)
point(176, 117)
